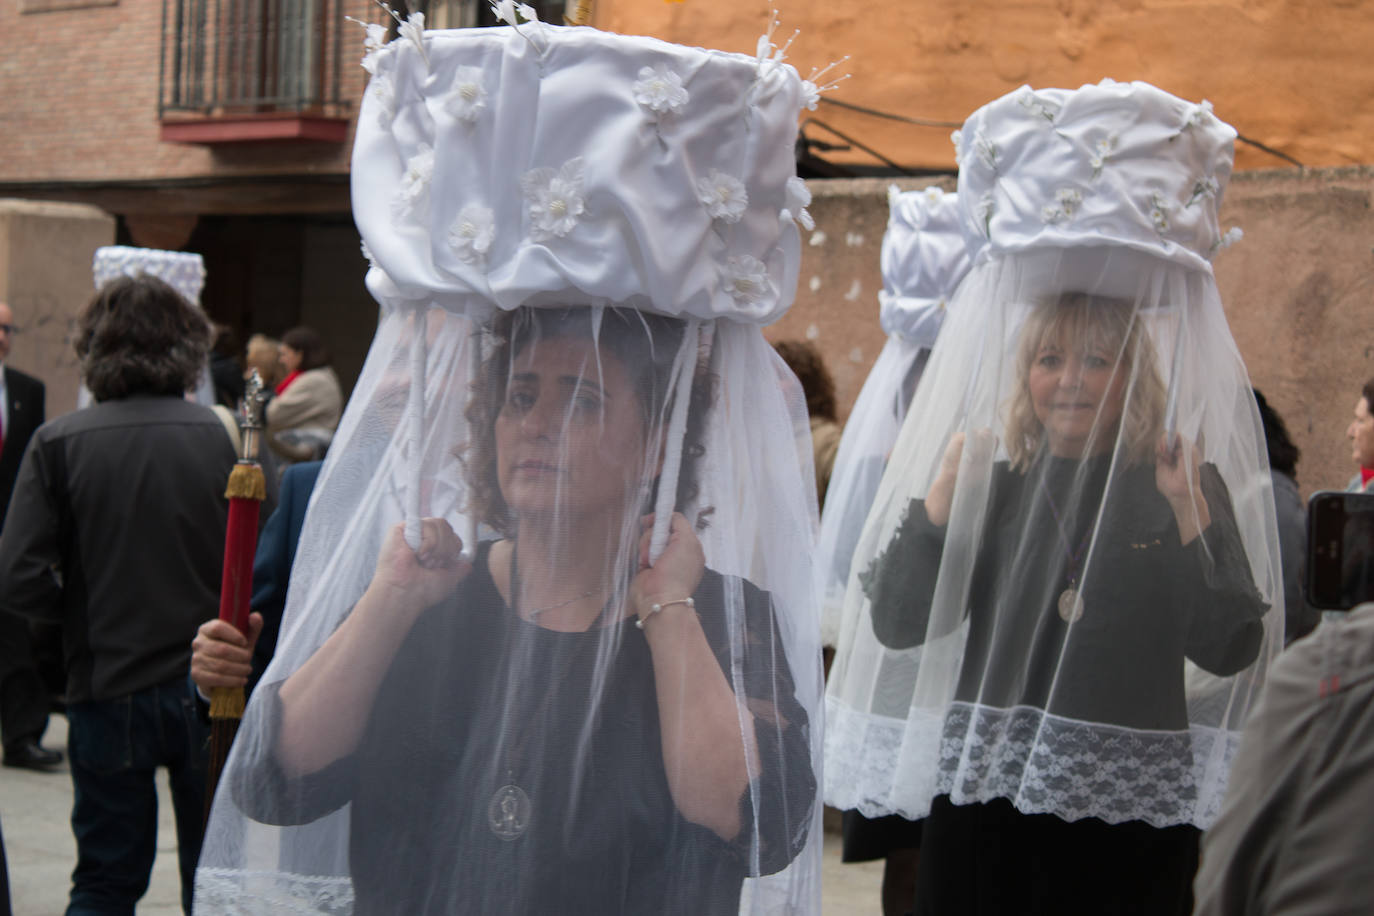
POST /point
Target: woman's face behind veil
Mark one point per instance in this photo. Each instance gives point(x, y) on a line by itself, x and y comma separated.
point(1076, 391)
point(570, 432)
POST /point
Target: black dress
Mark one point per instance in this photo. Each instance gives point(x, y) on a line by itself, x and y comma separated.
point(1150, 602)
point(603, 835)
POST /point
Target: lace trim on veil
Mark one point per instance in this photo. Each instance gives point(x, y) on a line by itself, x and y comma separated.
point(240, 892)
point(1042, 763)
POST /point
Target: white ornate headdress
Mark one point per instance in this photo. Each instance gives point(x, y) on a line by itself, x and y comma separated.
point(184, 271)
point(1122, 164)
point(544, 209)
point(925, 255)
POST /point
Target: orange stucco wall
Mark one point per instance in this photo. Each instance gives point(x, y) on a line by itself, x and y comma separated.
point(1292, 74)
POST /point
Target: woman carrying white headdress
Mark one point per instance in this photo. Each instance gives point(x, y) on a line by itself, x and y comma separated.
point(924, 257)
point(1067, 590)
point(549, 644)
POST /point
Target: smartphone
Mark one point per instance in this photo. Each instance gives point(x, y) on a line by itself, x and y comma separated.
point(1340, 550)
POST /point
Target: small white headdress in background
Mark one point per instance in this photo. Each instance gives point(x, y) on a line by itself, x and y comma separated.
point(184, 271)
point(925, 255)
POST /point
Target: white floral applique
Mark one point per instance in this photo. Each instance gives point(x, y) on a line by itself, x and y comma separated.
point(660, 90)
point(1203, 189)
point(986, 149)
point(554, 198)
point(1066, 204)
point(367, 253)
point(472, 233)
point(746, 279)
point(987, 206)
point(933, 196)
point(723, 196)
point(384, 95)
point(373, 44)
point(1037, 106)
point(1197, 115)
point(957, 138)
point(1102, 151)
point(1159, 212)
point(812, 87)
point(414, 191)
point(468, 97)
point(1228, 238)
point(798, 199)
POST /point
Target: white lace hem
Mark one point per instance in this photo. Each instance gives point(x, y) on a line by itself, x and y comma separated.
point(1042, 763)
point(240, 892)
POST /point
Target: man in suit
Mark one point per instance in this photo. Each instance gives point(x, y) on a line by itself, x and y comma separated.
point(23, 694)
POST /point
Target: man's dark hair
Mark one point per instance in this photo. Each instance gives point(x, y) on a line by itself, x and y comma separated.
point(805, 361)
point(308, 343)
point(138, 335)
point(1367, 392)
point(1283, 454)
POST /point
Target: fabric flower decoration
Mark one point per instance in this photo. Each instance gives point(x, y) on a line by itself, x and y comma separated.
point(1159, 212)
point(660, 90)
point(468, 96)
point(798, 199)
point(811, 95)
point(746, 279)
point(723, 196)
point(373, 44)
point(986, 207)
point(385, 97)
point(1037, 106)
point(367, 253)
point(1198, 114)
point(1062, 210)
point(414, 182)
point(985, 148)
point(472, 232)
point(512, 13)
point(1228, 238)
point(957, 138)
point(1203, 188)
point(1101, 150)
point(554, 198)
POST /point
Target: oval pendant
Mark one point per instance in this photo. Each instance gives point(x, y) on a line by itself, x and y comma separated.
point(1070, 605)
point(508, 812)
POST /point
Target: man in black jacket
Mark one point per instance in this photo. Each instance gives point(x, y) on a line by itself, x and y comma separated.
point(116, 530)
point(23, 695)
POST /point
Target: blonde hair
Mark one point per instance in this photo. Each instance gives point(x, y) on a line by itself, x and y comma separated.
point(1103, 323)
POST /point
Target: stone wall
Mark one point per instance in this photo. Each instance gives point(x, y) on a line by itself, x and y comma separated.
point(46, 251)
point(1297, 292)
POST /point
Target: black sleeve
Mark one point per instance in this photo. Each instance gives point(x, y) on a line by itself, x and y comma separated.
point(263, 790)
point(31, 550)
point(779, 803)
point(1226, 611)
point(900, 582)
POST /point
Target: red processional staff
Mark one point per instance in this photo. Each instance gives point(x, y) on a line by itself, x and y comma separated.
point(246, 490)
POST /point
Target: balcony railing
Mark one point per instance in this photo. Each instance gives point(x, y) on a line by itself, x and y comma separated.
point(233, 58)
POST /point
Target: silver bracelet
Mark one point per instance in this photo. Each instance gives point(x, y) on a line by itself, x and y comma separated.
point(655, 608)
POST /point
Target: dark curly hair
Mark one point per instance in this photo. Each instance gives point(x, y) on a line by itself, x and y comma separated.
point(138, 335)
point(805, 362)
point(646, 346)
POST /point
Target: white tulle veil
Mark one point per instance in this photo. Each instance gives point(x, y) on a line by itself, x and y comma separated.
point(575, 238)
point(1067, 592)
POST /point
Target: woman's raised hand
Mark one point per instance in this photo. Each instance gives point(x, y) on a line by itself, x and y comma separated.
point(676, 574)
point(413, 580)
point(941, 493)
point(1178, 481)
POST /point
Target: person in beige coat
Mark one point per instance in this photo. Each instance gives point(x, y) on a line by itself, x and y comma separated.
point(301, 419)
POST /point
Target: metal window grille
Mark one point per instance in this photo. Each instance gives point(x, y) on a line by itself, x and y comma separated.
point(243, 56)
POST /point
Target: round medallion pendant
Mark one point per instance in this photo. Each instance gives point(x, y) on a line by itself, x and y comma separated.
point(1070, 605)
point(508, 812)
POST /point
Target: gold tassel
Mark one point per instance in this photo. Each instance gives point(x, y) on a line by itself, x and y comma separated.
point(582, 14)
point(246, 482)
point(226, 702)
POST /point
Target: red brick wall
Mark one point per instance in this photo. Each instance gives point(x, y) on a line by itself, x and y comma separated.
point(79, 97)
